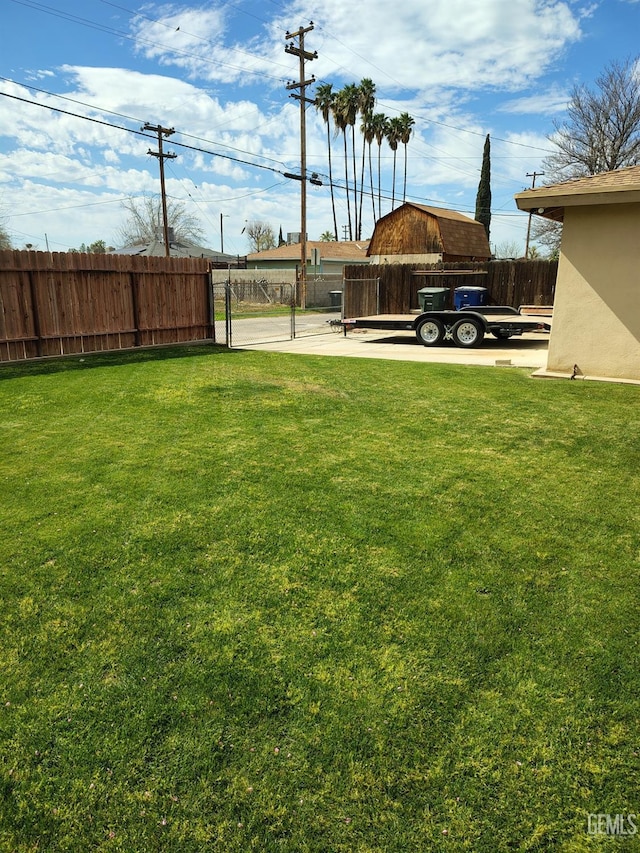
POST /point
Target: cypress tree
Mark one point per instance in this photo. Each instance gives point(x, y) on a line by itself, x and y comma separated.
point(483, 199)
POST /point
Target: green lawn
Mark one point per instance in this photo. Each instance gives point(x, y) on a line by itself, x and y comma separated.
point(265, 602)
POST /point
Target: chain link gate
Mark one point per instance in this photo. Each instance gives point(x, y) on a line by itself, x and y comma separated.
point(254, 312)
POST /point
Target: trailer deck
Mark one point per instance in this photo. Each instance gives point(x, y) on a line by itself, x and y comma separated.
point(465, 328)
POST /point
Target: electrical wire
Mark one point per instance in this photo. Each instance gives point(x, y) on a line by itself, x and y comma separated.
point(138, 39)
point(142, 133)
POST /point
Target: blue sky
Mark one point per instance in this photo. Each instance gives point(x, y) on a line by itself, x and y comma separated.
point(217, 73)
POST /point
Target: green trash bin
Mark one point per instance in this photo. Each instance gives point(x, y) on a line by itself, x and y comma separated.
point(433, 298)
point(335, 297)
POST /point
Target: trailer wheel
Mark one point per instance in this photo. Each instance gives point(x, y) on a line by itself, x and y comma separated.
point(430, 332)
point(501, 335)
point(468, 333)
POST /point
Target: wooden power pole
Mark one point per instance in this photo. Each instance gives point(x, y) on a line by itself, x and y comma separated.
point(162, 131)
point(532, 175)
point(303, 56)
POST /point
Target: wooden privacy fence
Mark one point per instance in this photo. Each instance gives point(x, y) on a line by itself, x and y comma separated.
point(512, 283)
point(63, 303)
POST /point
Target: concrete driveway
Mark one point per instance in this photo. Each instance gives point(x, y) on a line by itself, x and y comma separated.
point(528, 351)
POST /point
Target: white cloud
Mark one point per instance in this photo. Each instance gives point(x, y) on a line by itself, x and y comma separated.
point(551, 102)
point(425, 46)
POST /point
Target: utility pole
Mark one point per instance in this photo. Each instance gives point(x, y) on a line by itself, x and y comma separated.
point(162, 131)
point(303, 56)
point(532, 175)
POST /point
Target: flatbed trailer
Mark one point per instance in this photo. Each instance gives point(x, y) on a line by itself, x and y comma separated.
point(465, 327)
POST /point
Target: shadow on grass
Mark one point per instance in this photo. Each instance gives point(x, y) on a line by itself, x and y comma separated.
point(85, 361)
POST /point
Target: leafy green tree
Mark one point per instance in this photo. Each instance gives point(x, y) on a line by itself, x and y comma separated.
point(328, 237)
point(483, 198)
point(98, 247)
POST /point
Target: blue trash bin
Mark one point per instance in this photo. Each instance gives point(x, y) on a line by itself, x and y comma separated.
point(468, 297)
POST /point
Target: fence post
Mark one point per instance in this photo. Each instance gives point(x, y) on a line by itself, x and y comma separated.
point(293, 314)
point(227, 312)
point(210, 307)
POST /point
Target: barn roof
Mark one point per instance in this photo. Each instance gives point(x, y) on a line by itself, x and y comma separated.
point(617, 187)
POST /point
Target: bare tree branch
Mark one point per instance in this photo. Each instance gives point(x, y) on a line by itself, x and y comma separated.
point(260, 234)
point(144, 222)
point(602, 131)
point(601, 134)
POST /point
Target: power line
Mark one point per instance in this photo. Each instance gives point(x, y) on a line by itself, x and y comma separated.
point(76, 19)
point(140, 133)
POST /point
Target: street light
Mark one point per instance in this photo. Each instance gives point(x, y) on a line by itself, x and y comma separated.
point(222, 215)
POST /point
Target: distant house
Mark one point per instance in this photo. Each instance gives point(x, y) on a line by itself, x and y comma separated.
point(596, 313)
point(323, 258)
point(415, 233)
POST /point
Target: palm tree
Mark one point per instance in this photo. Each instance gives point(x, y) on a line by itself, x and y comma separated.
point(378, 125)
point(339, 119)
point(344, 116)
point(368, 134)
point(324, 104)
point(394, 130)
point(405, 124)
point(366, 103)
point(352, 95)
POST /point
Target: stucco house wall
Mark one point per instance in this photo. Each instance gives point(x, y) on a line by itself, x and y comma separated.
point(596, 314)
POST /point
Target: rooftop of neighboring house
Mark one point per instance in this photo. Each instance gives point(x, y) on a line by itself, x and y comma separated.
point(330, 250)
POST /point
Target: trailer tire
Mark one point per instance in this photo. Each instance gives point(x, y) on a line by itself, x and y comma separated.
point(468, 333)
point(501, 335)
point(430, 332)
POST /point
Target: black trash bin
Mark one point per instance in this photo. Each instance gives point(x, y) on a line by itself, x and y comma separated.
point(335, 297)
point(467, 297)
point(433, 298)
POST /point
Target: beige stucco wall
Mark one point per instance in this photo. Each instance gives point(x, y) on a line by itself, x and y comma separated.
point(596, 314)
point(406, 259)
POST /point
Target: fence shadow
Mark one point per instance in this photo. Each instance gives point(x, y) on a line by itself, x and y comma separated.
point(110, 358)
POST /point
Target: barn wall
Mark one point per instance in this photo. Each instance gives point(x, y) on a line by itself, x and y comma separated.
point(406, 231)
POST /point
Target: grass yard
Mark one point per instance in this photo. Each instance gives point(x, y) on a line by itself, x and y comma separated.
point(268, 602)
